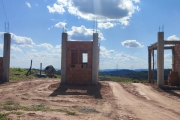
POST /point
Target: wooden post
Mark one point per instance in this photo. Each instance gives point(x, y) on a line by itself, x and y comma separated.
point(29, 71)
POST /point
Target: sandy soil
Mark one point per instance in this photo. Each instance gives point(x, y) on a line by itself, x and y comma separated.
point(107, 100)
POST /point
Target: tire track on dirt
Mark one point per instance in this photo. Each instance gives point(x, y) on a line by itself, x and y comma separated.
point(139, 108)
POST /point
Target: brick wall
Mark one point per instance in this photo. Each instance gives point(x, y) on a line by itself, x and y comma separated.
point(1, 68)
point(76, 71)
point(177, 58)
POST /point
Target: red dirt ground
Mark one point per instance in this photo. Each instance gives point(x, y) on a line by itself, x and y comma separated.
point(107, 100)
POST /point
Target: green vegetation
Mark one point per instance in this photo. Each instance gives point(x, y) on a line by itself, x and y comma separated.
point(119, 79)
point(3, 116)
point(20, 74)
point(14, 107)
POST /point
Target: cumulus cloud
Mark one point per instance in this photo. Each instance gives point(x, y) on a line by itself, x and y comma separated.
point(58, 47)
point(56, 8)
point(1, 46)
point(104, 53)
point(122, 56)
point(173, 37)
point(20, 40)
point(28, 4)
point(115, 56)
point(132, 44)
point(33, 50)
point(46, 45)
point(60, 25)
point(168, 56)
point(106, 25)
point(15, 48)
point(14, 56)
point(83, 33)
point(121, 10)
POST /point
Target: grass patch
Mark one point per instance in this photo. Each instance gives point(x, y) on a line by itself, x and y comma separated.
point(65, 111)
point(40, 107)
point(20, 74)
point(119, 79)
point(17, 112)
point(14, 107)
point(3, 116)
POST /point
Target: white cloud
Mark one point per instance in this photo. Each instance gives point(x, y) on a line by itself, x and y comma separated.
point(112, 58)
point(58, 47)
point(104, 53)
point(14, 56)
point(82, 33)
point(15, 48)
point(33, 50)
point(49, 28)
point(112, 10)
point(115, 56)
point(22, 41)
point(1, 46)
point(28, 4)
point(136, 1)
point(168, 56)
point(173, 37)
point(122, 56)
point(56, 8)
point(106, 25)
point(46, 45)
point(60, 25)
point(132, 44)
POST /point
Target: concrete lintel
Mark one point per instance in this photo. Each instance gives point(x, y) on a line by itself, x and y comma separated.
point(153, 46)
point(171, 42)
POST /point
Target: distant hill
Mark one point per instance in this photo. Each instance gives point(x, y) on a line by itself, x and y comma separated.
point(135, 74)
point(116, 72)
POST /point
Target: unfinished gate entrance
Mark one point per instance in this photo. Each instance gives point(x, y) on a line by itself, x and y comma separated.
point(79, 61)
point(173, 77)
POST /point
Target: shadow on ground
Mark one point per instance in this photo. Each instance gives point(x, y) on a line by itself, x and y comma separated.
point(171, 92)
point(62, 89)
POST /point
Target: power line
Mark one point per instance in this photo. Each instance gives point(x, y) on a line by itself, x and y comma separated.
point(4, 11)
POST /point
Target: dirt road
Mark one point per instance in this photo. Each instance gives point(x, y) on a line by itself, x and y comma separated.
point(146, 103)
point(46, 99)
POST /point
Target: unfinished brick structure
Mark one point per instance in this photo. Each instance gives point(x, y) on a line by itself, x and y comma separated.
point(176, 60)
point(1, 68)
point(80, 61)
point(160, 46)
point(5, 60)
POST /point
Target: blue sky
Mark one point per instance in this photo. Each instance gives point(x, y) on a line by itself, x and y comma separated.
point(125, 27)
